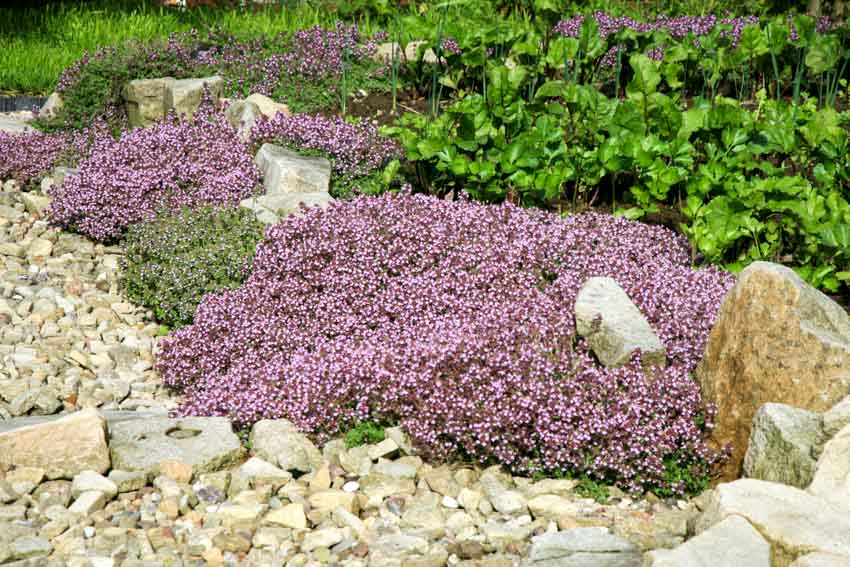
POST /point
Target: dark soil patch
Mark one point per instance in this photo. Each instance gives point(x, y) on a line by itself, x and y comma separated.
point(379, 106)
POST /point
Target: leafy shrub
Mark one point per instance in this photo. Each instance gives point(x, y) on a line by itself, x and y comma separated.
point(455, 320)
point(364, 433)
point(172, 164)
point(358, 154)
point(173, 260)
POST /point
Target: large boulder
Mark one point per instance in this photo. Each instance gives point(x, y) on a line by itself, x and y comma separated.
point(184, 96)
point(613, 326)
point(793, 521)
point(145, 100)
point(730, 543)
point(832, 473)
point(776, 339)
point(269, 209)
point(63, 446)
point(267, 106)
point(242, 114)
point(782, 444)
point(285, 171)
point(206, 444)
point(279, 442)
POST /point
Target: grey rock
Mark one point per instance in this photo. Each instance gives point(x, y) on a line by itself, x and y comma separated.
point(12, 126)
point(781, 445)
point(184, 96)
point(207, 444)
point(578, 540)
point(821, 560)
point(279, 441)
point(791, 520)
point(835, 418)
point(241, 115)
point(52, 106)
point(268, 107)
point(270, 209)
point(145, 100)
point(285, 171)
point(832, 472)
point(613, 326)
point(29, 547)
point(730, 543)
point(90, 480)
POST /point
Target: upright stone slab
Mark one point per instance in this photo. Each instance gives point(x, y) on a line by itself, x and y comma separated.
point(832, 472)
point(145, 100)
point(793, 521)
point(613, 326)
point(184, 96)
point(279, 442)
point(207, 444)
point(776, 339)
point(63, 446)
point(730, 543)
point(52, 106)
point(242, 114)
point(781, 445)
point(287, 172)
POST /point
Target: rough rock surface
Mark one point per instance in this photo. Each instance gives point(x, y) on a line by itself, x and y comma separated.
point(730, 543)
point(776, 339)
point(145, 100)
point(285, 171)
point(613, 326)
point(269, 209)
point(63, 448)
point(241, 114)
point(184, 96)
point(51, 106)
point(822, 560)
point(14, 125)
point(206, 444)
point(794, 522)
point(279, 442)
point(832, 473)
point(268, 107)
point(781, 445)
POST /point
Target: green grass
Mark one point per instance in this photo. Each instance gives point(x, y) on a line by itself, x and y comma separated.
point(37, 43)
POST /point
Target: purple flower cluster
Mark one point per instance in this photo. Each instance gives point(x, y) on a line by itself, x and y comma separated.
point(171, 164)
point(450, 46)
point(455, 319)
point(29, 156)
point(354, 150)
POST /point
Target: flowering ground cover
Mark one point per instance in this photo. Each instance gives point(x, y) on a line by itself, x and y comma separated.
point(170, 165)
point(456, 320)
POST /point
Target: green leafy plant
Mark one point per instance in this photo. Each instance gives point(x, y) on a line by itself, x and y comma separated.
point(172, 261)
point(364, 433)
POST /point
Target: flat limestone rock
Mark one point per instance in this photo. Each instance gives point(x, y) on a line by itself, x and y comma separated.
point(207, 444)
point(832, 473)
point(822, 560)
point(12, 126)
point(269, 209)
point(781, 445)
point(582, 547)
point(285, 171)
point(793, 521)
point(613, 326)
point(268, 107)
point(776, 339)
point(730, 543)
point(63, 446)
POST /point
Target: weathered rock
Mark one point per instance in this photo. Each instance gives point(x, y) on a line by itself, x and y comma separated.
point(613, 326)
point(835, 418)
point(285, 171)
point(776, 339)
point(289, 516)
point(52, 106)
point(145, 99)
point(63, 446)
point(583, 546)
point(791, 520)
point(35, 203)
point(241, 115)
point(12, 126)
point(184, 96)
point(207, 444)
point(388, 51)
point(269, 209)
point(279, 441)
point(730, 543)
point(832, 473)
point(781, 445)
point(822, 560)
point(89, 480)
point(268, 107)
